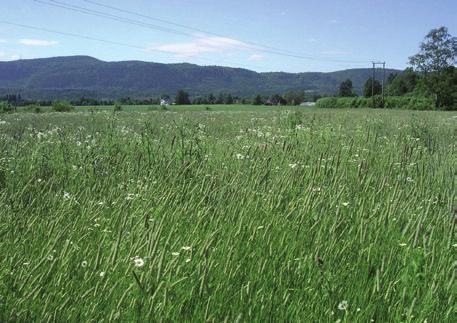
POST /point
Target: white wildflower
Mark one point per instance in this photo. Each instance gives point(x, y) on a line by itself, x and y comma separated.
point(66, 195)
point(345, 204)
point(187, 260)
point(186, 248)
point(84, 264)
point(102, 274)
point(138, 262)
point(175, 254)
point(402, 244)
point(343, 305)
point(293, 165)
point(239, 156)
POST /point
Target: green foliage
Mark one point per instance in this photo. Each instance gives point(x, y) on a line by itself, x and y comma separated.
point(294, 97)
point(402, 83)
point(437, 52)
point(435, 60)
point(257, 100)
point(328, 103)
point(62, 106)
point(182, 98)
point(5, 107)
point(346, 89)
point(369, 88)
point(117, 107)
point(392, 102)
point(33, 108)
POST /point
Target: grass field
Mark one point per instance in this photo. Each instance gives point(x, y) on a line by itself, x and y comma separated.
point(244, 214)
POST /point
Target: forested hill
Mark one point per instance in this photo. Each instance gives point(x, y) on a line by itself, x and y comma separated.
point(76, 76)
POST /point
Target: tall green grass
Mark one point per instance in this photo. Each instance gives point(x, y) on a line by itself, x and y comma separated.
point(312, 216)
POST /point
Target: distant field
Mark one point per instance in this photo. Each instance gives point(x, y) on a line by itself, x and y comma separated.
point(239, 213)
point(176, 108)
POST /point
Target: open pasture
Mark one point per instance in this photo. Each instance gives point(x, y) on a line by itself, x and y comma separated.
point(258, 214)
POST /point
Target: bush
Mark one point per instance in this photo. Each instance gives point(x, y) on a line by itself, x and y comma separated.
point(5, 107)
point(327, 103)
point(117, 107)
point(62, 106)
point(391, 102)
point(33, 108)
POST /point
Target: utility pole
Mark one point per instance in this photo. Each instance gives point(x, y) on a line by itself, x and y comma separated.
point(372, 83)
point(383, 80)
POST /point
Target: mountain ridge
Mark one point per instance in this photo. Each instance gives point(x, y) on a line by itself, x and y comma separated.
point(71, 77)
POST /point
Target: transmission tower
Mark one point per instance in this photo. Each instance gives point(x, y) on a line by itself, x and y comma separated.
point(383, 80)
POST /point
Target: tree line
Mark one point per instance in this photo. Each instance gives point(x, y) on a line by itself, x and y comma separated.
point(432, 74)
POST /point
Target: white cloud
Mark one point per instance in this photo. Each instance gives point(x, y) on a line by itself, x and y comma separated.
point(37, 42)
point(2, 41)
point(201, 44)
point(255, 57)
point(333, 21)
point(8, 56)
point(312, 40)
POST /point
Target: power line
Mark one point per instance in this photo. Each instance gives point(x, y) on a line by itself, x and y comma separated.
point(71, 34)
point(110, 16)
point(109, 41)
point(262, 48)
point(178, 25)
point(294, 54)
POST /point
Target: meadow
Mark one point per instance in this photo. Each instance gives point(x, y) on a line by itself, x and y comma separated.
point(232, 214)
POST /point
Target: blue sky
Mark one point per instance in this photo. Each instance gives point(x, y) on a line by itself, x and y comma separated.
point(327, 35)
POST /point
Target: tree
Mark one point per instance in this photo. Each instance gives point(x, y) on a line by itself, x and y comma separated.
point(435, 60)
point(294, 97)
point(276, 99)
point(346, 89)
point(401, 84)
point(62, 106)
point(438, 51)
point(257, 100)
point(369, 86)
point(182, 98)
point(211, 98)
point(220, 98)
point(228, 99)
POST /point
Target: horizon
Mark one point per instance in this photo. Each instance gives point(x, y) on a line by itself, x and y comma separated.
point(254, 36)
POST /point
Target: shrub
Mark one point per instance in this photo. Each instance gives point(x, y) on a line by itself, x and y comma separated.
point(5, 107)
point(390, 102)
point(62, 106)
point(117, 107)
point(33, 108)
point(326, 103)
